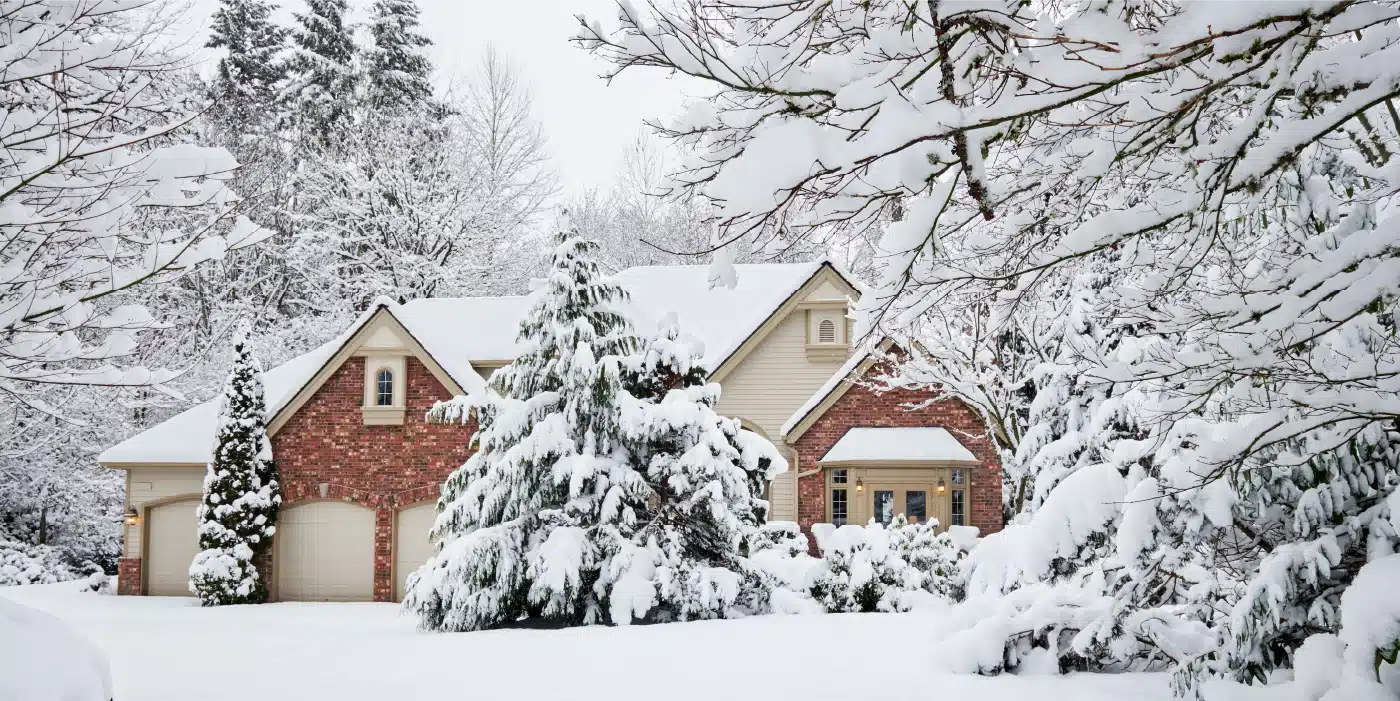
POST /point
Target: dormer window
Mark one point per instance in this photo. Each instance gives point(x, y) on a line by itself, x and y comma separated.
point(384, 388)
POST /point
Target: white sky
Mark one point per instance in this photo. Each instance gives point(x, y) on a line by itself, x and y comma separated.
point(586, 121)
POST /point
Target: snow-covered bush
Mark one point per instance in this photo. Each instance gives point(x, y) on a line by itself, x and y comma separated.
point(1359, 662)
point(884, 568)
point(23, 563)
point(44, 659)
point(238, 513)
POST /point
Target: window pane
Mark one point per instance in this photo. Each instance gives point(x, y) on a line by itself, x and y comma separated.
point(384, 390)
point(838, 507)
point(957, 510)
point(884, 507)
point(957, 476)
point(838, 476)
point(915, 508)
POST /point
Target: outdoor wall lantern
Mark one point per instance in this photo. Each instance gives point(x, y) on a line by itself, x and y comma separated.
point(860, 485)
point(132, 517)
point(942, 486)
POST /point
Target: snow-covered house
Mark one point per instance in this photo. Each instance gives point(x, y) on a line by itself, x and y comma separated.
point(361, 468)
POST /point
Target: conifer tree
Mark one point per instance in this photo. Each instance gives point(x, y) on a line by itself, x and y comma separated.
point(249, 76)
point(397, 66)
point(604, 488)
point(322, 82)
point(238, 514)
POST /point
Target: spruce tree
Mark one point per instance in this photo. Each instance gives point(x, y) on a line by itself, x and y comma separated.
point(249, 76)
point(398, 67)
point(604, 487)
point(238, 514)
point(322, 81)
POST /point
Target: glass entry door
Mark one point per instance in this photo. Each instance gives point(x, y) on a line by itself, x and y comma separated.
point(889, 500)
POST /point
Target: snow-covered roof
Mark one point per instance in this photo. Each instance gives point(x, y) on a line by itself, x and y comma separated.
point(841, 375)
point(458, 331)
point(898, 444)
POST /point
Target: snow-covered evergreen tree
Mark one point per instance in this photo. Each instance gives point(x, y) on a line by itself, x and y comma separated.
point(322, 76)
point(397, 68)
point(251, 72)
point(604, 488)
point(242, 493)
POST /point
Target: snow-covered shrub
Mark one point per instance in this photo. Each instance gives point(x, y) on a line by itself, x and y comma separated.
point(44, 659)
point(883, 568)
point(1359, 662)
point(238, 513)
point(23, 563)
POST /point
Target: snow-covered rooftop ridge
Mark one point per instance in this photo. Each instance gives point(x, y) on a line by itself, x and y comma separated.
point(898, 444)
point(459, 331)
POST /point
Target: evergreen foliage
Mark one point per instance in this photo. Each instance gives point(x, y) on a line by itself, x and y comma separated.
point(323, 76)
point(251, 72)
point(242, 494)
point(604, 488)
point(398, 66)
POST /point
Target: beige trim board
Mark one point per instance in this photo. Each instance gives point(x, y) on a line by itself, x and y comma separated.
point(381, 317)
point(143, 465)
point(836, 393)
point(825, 273)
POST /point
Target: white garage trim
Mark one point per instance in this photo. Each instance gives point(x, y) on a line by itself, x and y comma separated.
point(411, 547)
point(324, 551)
point(170, 540)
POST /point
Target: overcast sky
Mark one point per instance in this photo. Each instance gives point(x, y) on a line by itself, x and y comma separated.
point(586, 120)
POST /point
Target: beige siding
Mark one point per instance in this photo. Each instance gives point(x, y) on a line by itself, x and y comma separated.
point(771, 383)
point(147, 484)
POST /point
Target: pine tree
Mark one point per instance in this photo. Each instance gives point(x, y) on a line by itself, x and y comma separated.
point(238, 514)
point(397, 67)
point(322, 80)
point(604, 488)
point(705, 477)
point(526, 522)
point(249, 76)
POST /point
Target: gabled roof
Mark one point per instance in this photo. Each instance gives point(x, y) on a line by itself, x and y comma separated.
point(457, 332)
point(833, 389)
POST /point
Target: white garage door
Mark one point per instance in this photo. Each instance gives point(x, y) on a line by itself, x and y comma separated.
point(172, 541)
point(411, 546)
point(325, 552)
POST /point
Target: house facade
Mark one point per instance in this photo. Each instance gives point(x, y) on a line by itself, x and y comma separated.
point(361, 469)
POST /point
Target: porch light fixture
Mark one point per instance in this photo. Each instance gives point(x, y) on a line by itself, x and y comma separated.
point(860, 485)
point(132, 518)
point(942, 486)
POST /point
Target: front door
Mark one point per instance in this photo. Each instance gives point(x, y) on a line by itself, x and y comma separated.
point(889, 500)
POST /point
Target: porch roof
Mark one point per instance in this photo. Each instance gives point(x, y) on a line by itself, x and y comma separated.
point(925, 444)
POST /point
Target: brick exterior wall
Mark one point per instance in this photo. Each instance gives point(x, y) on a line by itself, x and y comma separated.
point(380, 467)
point(129, 576)
point(864, 407)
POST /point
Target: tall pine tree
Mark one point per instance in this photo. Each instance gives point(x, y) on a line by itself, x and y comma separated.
point(604, 488)
point(249, 75)
point(322, 82)
point(398, 66)
point(238, 514)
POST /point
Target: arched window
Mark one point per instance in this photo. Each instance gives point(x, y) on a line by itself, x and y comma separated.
point(826, 331)
point(384, 388)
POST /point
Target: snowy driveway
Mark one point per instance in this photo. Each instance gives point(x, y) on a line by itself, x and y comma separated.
point(166, 649)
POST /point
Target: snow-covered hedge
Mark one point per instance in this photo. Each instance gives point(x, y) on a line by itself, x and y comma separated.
point(868, 568)
point(23, 563)
point(44, 659)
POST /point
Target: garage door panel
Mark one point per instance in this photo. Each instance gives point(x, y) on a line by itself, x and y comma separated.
point(172, 542)
point(411, 545)
point(325, 552)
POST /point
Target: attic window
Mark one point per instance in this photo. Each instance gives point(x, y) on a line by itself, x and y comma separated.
point(384, 388)
point(826, 331)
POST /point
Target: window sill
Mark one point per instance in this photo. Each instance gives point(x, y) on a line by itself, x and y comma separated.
point(827, 351)
point(382, 415)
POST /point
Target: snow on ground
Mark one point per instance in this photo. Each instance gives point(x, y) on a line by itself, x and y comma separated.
point(169, 649)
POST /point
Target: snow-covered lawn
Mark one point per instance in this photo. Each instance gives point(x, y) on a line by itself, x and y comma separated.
point(169, 649)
